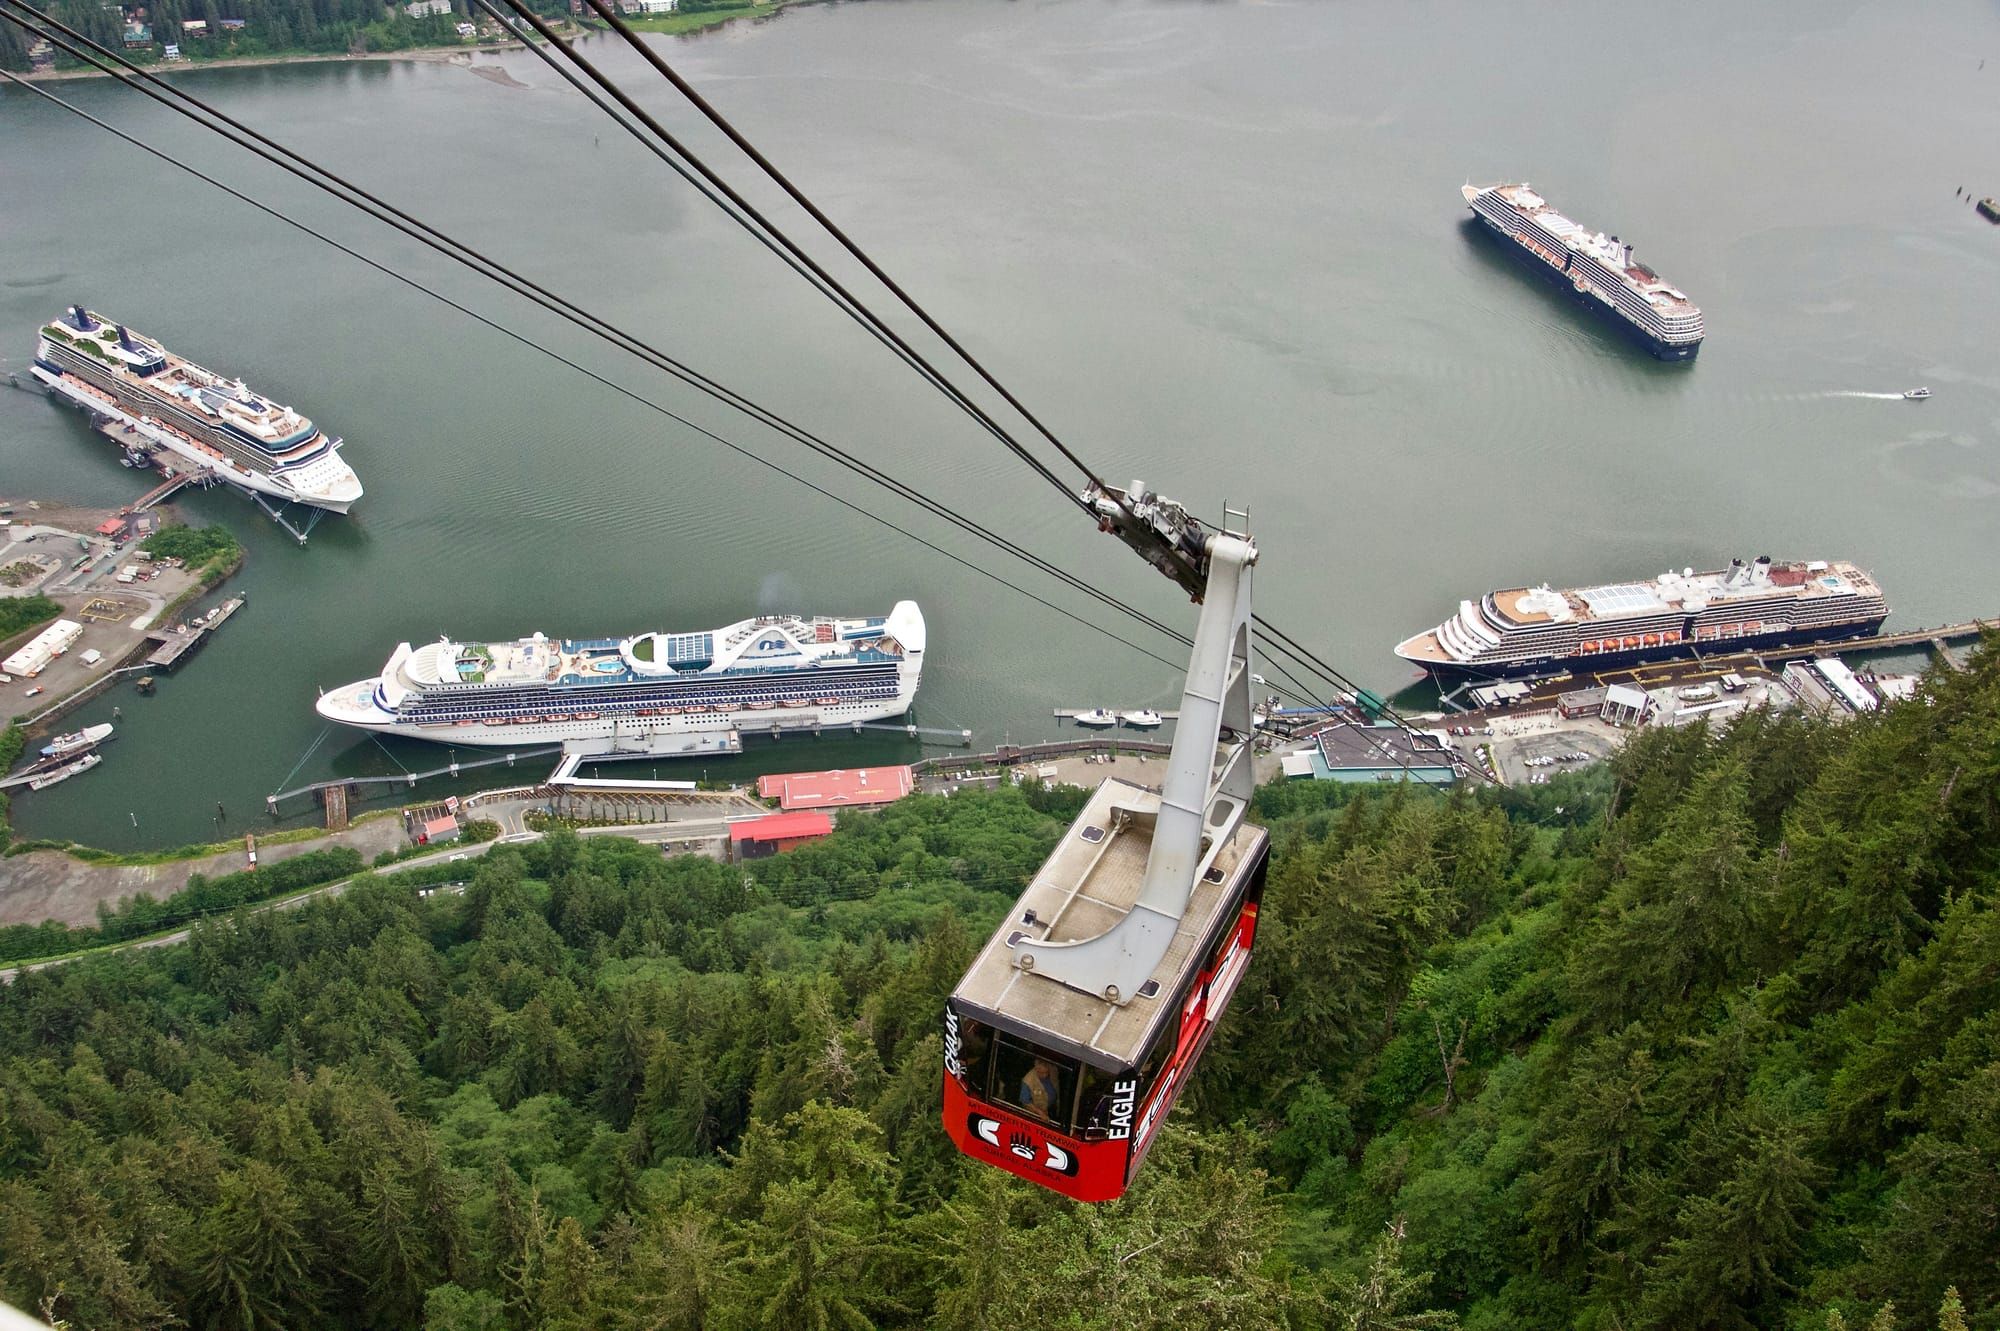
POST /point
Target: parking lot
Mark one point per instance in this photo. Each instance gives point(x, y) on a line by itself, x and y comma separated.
point(114, 615)
point(1533, 757)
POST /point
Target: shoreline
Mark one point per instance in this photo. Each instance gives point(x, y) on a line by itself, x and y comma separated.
point(423, 55)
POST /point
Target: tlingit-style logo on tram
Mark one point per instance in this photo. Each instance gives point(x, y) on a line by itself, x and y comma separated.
point(1022, 1145)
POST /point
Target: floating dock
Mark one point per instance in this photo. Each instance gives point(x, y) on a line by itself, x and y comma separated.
point(178, 641)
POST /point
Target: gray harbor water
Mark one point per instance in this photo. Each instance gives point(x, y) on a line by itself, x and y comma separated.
point(1216, 246)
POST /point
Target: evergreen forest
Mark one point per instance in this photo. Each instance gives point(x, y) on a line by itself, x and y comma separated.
point(1704, 1038)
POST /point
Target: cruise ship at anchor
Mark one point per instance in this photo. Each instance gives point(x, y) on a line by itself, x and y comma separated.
point(206, 422)
point(1598, 268)
point(1535, 632)
point(657, 694)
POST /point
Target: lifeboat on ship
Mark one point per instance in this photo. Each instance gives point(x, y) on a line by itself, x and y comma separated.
point(1652, 640)
point(1631, 644)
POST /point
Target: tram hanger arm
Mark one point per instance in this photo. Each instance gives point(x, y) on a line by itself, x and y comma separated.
point(1209, 779)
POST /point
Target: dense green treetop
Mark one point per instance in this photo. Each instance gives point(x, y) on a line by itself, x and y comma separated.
point(1705, 1038)
point(18, 614)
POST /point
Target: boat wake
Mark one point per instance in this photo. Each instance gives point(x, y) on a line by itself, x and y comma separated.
point(1880, 397)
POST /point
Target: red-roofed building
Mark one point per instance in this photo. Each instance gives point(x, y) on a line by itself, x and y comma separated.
point(754, 838)
point(436, 830)
point(849, 789)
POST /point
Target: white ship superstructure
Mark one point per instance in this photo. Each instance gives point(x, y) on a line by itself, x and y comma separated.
point(77, 741)
point(1542, 631)
point(657, 693)
point(1595, 265)
point(208, 423)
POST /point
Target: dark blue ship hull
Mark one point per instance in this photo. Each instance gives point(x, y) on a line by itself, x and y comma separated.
point(1560, 279)
point(1608, 662)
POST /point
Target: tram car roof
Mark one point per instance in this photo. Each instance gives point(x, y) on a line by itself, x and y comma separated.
point(1085, 887)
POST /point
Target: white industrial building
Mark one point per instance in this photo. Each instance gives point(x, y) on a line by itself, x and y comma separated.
point(45, 647)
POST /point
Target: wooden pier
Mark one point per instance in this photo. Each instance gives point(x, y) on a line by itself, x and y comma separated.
point(1936, 640)
point(178, 641)
point(1756, 661)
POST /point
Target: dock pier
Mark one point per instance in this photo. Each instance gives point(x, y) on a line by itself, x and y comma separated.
point(277, 514)
point(336, 808)
point(166, 489)
point(272, 801)
point(176, 642)
point(119, 430)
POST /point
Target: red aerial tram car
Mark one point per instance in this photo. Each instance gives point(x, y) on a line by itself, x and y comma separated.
point(1067, 1089)
point(1086, 1012)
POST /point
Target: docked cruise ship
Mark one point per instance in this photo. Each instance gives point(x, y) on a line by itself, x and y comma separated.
point(1536, 631)
point(658, 694)
point(206, 422)
point(1597, 267)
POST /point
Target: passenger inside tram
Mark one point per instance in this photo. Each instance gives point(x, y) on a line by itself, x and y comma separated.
point(1033, 1081)
point(1040, 1091)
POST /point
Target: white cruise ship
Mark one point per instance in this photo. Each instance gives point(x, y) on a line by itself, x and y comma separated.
point(206, 422)
point(1537, 632)
point(1598, 268)
point(656, 694)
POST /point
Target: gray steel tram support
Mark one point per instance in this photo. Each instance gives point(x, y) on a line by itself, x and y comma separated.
point(1208, 786)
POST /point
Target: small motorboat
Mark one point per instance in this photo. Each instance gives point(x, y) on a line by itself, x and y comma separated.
point(61, 774)
point(1918, 392)
point(1143, 719)
point(1097, 716)
point(77, 741)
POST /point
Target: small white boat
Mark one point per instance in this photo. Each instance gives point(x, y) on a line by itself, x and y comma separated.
point(1143, 719)
point(77, 741)
point(81, 765)
point(1918, 392)
point(1097, 716)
